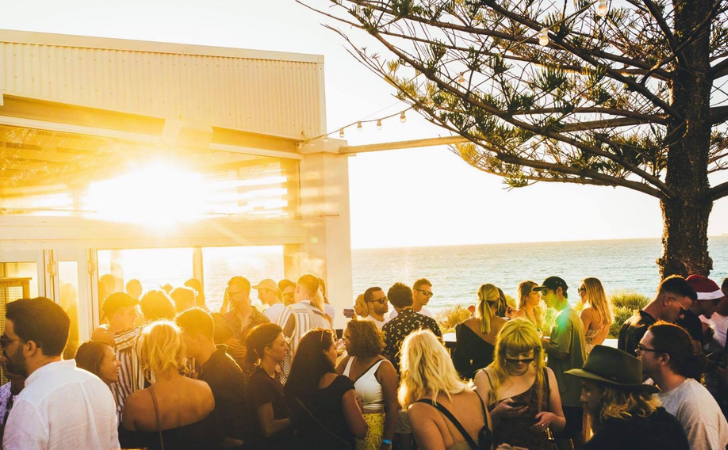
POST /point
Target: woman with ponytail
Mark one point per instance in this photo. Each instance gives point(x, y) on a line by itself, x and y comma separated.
point(476, 337)
point(521, 392)
point(271, 421)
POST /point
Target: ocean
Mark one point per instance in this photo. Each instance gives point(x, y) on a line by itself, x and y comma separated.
point(456, 272)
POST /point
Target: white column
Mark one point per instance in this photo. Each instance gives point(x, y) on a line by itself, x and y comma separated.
point(325, 211)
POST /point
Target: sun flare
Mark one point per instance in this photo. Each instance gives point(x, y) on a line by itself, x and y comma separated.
point(156, 195)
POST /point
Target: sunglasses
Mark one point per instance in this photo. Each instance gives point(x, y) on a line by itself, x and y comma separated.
point(5, 341)
point(425, 293)
point(381, 301)
point(288, 294)
point(582, 289)
point(516, 361)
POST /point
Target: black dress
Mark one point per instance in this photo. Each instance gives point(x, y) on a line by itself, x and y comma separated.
point(319, 420)
point(471, 352)
point(661, 430)
point(263, 389)
point(202, 435)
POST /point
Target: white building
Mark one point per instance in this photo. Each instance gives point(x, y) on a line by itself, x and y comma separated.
point(78, 112)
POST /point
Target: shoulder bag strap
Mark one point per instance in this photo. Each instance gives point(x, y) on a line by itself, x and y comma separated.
point(452, 419)
point(156, 415)
point(321, 425)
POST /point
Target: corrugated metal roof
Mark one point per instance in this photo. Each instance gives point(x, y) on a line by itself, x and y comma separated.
point(280, 94)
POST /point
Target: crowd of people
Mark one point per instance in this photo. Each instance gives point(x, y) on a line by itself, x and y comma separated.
point(164, 372)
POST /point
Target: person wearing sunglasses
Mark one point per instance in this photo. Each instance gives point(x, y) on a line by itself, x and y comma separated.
point(522, 393)
point(287, 289)
point(377, 305)
point(421, 295)
point(673, 297)
point(667, 356)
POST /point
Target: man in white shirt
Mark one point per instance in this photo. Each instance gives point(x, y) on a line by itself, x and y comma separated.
point(378, 305)
point(667, 356)
point(421, 294)
point(61, 407)
point(268, 295)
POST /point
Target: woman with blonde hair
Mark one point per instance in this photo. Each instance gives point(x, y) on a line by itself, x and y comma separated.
point(476, 336)
point(443, 410)
point(528, 304)
point(522, 393)
point(175, 412)
point(623, 411)
point(597, 315)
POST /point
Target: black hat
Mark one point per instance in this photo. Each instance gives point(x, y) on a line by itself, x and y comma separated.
point(615, 367)
point(552, 283)
point(116, 301)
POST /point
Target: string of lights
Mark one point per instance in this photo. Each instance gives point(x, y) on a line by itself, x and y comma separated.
point(543, 40)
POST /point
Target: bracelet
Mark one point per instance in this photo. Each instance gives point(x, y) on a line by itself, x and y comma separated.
point(386, 441)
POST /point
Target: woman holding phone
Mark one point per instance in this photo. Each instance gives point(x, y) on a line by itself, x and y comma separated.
point(522, 394)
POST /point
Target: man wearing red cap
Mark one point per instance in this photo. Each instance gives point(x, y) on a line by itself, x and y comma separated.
point(709, 296)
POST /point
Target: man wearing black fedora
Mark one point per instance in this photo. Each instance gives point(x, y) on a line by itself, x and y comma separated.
point(624, 413)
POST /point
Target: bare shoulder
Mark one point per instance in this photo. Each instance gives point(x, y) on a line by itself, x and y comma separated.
point(521, 313)
point(587, 312)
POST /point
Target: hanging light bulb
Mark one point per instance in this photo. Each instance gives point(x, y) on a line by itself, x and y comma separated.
point(603, 8)
point(359, 127)
point(326, 138)
point(379, 124)
point(402, 117)
point(461, 78)
point(543, 37)
point(341, 133)
point(300, 146)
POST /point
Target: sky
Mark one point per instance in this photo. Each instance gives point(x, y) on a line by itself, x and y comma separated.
point(414, 197)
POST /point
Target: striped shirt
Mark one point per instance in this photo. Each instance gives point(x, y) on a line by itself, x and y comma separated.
point(131, 373)
point(296, 320)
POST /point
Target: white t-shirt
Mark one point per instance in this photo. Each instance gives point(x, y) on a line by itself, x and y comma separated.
point(698, 413)
point(378, 323)
point(273, 312)
point(424, 311)
point(62, 407)
point(329, 310)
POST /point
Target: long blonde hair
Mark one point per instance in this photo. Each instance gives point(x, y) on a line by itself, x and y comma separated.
point(598, 300)
point(517, 336)
point(488, 296)
point(427, 369)
point(621, 404)
point(524, 290)
point(162, 347)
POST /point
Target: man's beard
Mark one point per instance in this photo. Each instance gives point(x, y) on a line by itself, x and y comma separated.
point(17, 363)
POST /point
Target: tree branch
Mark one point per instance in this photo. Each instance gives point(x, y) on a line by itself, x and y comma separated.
point(716, 192)
point(526, 126)
point(637, 87)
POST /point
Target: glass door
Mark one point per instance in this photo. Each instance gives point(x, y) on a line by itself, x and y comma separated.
point(70, 276)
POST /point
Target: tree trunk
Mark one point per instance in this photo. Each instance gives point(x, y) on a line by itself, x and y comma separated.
point(685, 231)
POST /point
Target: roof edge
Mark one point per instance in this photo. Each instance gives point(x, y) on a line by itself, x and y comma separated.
point(69, 40)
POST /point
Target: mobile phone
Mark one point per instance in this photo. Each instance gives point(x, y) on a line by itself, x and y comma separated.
point(517, 404)
point(348, 313)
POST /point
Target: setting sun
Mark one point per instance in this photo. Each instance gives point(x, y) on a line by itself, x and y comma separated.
point(156, 195)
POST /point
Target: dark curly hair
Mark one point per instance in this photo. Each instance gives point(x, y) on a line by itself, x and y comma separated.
point(365, 339)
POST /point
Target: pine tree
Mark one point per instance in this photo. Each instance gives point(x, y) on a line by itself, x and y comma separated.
point(628, 94)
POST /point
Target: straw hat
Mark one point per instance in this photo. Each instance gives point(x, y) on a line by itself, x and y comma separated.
point(614, 367)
